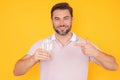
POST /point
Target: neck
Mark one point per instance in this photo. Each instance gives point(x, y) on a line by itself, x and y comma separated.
point(64, 39)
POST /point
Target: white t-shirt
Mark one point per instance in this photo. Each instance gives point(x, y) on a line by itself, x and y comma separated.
point(68, 62)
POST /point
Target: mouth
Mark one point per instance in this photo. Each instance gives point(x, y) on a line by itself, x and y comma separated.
point(62, 28)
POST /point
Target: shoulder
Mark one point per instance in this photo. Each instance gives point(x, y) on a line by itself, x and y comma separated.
point(38, 42)
point(80, 40)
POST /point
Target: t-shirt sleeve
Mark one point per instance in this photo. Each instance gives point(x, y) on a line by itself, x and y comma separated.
point(91, 58)
point(34, 47)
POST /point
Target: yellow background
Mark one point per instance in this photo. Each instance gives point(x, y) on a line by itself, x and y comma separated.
point(23, 22)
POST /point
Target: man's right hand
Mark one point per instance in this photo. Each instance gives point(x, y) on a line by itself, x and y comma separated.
point(41, 54)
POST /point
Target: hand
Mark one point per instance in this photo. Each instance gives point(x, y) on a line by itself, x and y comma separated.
point(88, 49)
point(41, 54)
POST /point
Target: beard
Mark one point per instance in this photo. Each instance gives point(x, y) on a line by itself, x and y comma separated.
point(62, 32)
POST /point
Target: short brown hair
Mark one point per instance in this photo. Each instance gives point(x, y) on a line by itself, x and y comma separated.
point(62, 6)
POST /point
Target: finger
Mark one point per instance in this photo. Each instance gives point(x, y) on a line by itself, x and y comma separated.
point(38, 50)
point(79, 44)
point(44, 54)
point(44, 57)
point(87, 41)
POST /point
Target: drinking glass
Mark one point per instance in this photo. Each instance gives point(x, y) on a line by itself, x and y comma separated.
point(47, 44)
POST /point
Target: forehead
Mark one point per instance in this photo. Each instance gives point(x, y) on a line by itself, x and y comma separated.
point(61, 13)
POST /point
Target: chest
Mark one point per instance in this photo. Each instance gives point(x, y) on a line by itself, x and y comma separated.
point(68, 53)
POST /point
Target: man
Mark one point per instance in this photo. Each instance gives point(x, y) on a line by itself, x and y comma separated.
point(70, 55)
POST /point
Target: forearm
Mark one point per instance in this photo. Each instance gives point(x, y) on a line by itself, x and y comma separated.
point(22, 66)
point(105, 60)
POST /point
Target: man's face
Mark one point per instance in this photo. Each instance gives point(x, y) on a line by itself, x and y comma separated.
point(62, 21)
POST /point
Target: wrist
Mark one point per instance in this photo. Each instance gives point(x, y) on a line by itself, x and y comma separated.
point(96, 54)
point(33, 59)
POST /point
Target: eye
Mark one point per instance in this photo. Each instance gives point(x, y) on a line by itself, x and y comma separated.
point(66, 18)
point(56, 18)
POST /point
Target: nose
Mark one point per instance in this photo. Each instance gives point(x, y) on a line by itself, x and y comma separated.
point(61, 22)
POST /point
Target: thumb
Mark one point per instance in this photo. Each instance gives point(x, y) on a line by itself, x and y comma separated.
point(87, 41)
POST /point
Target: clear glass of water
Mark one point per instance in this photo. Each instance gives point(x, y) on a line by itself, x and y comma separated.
point(47, 44)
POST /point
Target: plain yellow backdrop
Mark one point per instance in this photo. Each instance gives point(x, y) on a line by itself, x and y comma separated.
point(23, 22)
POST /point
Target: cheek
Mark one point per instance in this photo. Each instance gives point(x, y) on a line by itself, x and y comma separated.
point(55, 23)
point(68, 22)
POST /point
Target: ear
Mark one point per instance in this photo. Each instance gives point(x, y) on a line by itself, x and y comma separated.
point(72, 18)
point(51, 20)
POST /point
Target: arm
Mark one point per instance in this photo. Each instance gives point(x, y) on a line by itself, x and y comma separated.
point(25, 63)
point(100, 58)
point(105, 60)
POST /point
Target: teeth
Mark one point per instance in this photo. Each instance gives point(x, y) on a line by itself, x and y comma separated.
point(62, 28)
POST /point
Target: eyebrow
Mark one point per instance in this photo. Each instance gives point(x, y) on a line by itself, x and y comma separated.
point(66, 16)
point(63, 17)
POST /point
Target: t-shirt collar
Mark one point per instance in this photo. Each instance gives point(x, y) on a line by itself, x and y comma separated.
point(74, 37)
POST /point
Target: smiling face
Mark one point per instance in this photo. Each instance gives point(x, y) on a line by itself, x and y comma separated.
point(62, 21)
